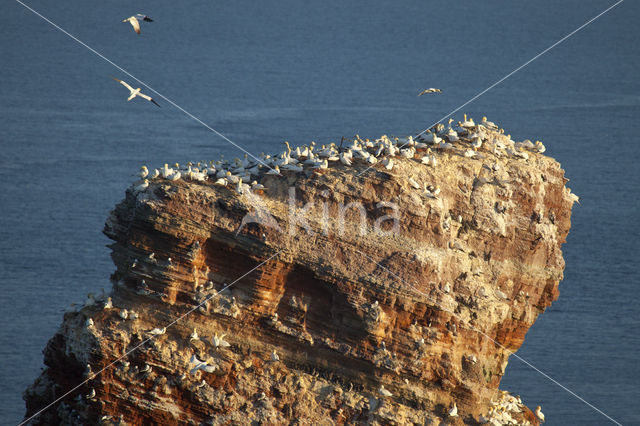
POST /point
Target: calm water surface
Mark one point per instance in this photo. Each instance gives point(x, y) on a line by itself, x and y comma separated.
point(264, 72)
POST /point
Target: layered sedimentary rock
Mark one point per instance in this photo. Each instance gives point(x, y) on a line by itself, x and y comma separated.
point(359, 282)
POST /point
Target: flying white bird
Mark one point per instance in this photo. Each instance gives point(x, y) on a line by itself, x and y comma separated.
point(135, 92)
point(429, 90)
point(135, 21)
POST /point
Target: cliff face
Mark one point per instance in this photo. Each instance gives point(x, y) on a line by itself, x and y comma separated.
point(430, 305)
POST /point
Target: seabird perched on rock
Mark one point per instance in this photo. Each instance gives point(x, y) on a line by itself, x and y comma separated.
point(453, 412)
point(388, 163)
point(467, 123)
point(274, 171)
point(382, 391)
point(219, 341)
point(87, 372)
point(194, 335)
point(488, 124)
point(144, 172)
point(88, 322)
point(90, 300)
point(429, 90)
point(108, 304)
point(124, 314)
point(135, 92)
point(539, 413)
point(158, 331)
point(91, 394)
point(413, 183)
point(142, 187)
point(135, 21)
point(274, 356)
point(201, 365)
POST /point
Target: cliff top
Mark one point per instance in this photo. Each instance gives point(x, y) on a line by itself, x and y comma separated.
point(383, 280)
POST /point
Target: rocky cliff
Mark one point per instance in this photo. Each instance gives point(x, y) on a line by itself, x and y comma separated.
point(326, 295)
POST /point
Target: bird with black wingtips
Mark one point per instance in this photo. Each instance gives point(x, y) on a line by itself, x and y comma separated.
point(135, 21)
point(135, 92)
point(429, 90)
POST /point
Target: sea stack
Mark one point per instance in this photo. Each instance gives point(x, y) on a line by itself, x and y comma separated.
point(356, 279)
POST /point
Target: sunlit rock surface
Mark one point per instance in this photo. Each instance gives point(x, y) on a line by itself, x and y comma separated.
point(428, 296)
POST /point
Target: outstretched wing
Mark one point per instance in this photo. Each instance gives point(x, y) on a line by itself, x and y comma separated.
point(123, 83)
point(149, 98)
point(135, 24)
point(143, 17)
point(429, 90)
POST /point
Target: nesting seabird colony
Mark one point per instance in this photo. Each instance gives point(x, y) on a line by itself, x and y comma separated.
point(484, 139)
point(466, 138)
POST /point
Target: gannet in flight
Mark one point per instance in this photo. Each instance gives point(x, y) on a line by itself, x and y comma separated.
point(429, 90)
point(135, 92)
point(135, 21)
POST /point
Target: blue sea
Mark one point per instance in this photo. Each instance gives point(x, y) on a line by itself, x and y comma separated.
point(264, 72)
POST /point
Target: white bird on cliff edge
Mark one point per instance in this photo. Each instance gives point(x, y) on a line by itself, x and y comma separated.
point(91, 394)
point(539, 413)
point(144, 172)
point(453, 412)
point(201, 365)
point(429, 90)
point(158, 331)
point(135, 92)
point(384, 392)
point(219, 341)
point(135, 21)
point(142, 187)
point(194, 335)
point(274, 356)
